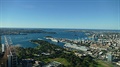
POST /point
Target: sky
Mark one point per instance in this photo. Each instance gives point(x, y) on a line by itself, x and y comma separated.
point(80, 14)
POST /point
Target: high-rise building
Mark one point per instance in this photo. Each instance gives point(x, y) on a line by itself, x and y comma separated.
point(12, 60)
point(3, 48)
point(109, 55)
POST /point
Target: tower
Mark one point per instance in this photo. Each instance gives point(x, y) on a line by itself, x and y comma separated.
point(3, 48)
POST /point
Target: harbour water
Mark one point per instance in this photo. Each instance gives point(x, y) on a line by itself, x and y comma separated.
point(23, 40)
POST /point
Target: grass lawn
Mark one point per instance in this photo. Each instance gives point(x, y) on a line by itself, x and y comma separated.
point(61, 60)
point(104, 64)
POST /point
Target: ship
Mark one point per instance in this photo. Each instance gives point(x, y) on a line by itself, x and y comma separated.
point(54, 40)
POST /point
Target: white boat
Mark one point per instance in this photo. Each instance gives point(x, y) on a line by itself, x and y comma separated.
point(54, 40)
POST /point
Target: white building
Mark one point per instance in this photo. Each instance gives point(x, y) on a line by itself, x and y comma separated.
point(54, 64)
point(74, 46)
point(3, 48)
point(109, 57)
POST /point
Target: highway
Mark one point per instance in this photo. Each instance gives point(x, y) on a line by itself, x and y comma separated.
point(8, 47)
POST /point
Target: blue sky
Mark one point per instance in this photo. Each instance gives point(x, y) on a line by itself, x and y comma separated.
point(83, 14)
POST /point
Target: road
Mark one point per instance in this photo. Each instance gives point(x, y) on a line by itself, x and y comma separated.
point(4, 59)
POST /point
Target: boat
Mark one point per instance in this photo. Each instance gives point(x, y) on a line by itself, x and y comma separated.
point(54, 40)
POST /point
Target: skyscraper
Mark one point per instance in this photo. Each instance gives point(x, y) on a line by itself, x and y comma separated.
point(12, 60)
point(3, 48)
point(109, 55)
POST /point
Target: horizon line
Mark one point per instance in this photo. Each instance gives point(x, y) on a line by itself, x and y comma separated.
point(59, 28)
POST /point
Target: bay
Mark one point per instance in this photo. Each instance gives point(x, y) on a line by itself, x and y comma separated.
point(23, 40)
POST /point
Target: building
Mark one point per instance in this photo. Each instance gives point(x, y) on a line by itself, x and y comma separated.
point(12, 60)
point(27, 62)
point(118, 63)
point(109, 57)
point(3, 48)
point(74, 46)
point(54, 64)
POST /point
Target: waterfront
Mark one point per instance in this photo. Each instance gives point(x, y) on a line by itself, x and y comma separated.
point(100, 44)
point(73, 34)
point(23, 40)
